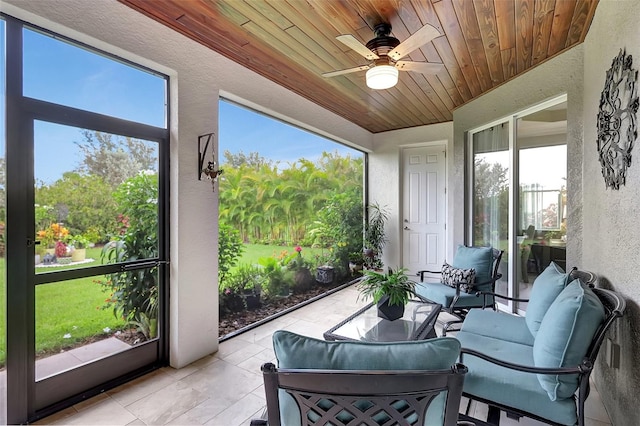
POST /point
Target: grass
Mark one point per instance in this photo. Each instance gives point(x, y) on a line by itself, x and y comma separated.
point(253, 252)
point(64, 308)
point(69, 312)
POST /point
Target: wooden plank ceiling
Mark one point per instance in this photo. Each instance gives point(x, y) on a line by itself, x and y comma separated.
point(292, 42)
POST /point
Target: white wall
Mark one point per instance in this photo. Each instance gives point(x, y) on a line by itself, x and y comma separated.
point(385, 177)
point(198, 75)
point(611, 231)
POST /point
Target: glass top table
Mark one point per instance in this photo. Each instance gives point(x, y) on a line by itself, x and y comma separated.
point(417, 323)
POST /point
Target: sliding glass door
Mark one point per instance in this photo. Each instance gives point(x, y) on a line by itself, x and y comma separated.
point(491, 187)
point(518, 200)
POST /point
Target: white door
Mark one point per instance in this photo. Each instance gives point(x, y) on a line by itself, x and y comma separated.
point(424, 208)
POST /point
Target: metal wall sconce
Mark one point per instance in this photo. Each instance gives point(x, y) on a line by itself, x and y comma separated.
point(210, 171)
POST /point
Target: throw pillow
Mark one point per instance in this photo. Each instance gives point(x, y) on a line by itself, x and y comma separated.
point(456, 276)
point(546, 287)
point(565, 335)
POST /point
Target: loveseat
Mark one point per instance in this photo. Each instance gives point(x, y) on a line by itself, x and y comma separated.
point(533, 365)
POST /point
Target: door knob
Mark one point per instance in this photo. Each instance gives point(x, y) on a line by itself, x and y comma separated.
point(406, 228)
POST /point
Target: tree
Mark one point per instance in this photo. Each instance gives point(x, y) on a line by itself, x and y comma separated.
point(253, 160)
point(115, 158)
point(491, 204)
point(80, 201)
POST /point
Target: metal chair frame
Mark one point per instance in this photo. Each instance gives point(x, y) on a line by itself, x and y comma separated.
point(401, 396)
point(614, 306)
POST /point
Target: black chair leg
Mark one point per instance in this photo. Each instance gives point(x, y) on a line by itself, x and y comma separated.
point(493, 417)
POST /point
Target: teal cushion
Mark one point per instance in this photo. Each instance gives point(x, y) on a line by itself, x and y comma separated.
point(565, 335)
point(499, 325)
point(478, 258)
point(510, 387)
point(296, 351)
point(546, 288)
point(444, 295)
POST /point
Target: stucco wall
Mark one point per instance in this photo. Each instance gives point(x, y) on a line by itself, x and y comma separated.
point(198, 76)
point(385, 176)
point(611, 233)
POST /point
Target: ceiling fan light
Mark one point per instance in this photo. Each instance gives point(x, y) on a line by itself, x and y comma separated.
point(382, 77)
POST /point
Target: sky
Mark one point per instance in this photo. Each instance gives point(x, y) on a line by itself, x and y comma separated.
point(82, 79)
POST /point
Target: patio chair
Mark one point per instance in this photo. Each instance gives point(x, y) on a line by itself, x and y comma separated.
point(321, 382)
point(320, 397)
point(458, 297)
point(543, 376)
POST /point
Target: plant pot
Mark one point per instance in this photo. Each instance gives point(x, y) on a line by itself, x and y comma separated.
point(252, 300)
point(64, 260)
point(355, 267)
point(302, 281)
point(325, 274)
point(79, 255)
point(389, 312)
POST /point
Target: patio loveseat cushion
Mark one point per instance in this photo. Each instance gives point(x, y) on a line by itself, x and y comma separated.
point(294, 351)
point(548, 286)
point(510, 387)
point(565, 335)
point(567, 328)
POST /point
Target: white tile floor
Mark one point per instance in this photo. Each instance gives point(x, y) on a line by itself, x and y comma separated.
point(226, 388)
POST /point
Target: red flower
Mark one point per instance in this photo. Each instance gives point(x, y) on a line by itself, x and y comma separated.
point(298, 249)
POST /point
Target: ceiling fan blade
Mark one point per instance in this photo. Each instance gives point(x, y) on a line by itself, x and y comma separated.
point(421, 37)
point(421, 67)
point(354, 44)
point(347, 71)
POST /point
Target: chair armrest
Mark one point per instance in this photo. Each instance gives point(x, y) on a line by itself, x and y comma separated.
point(421, 273)
point(489, 281)
point(584, 367)
point(488, 293)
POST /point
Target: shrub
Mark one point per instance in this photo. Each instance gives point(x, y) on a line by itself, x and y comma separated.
point(135, 292)
point(230, 248)
point(278, 279)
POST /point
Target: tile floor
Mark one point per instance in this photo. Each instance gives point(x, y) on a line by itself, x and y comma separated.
point(226, 388)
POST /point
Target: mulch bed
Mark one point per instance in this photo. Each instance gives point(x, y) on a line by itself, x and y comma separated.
point(237, 320)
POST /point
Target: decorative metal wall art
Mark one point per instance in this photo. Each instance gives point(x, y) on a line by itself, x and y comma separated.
point(210, 171)
point(617, 120)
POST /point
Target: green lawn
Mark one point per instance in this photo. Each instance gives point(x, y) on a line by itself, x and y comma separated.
point(253, 252)
point(66, 308)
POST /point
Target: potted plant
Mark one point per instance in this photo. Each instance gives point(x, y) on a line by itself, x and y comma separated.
point(80, 244)
point(63, 256)
point(374, 236)
point(356, 262)
point(302, 279)
point(390, 291)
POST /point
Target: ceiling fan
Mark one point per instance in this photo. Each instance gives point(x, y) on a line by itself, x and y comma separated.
point(384, 53)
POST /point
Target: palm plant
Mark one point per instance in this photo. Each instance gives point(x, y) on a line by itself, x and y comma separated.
point(374, 236)
point(396, 285)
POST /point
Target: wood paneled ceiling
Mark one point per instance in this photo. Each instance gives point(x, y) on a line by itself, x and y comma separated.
point(292, 42)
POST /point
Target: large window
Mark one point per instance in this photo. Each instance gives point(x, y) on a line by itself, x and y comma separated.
point(518, 176)
point(291, 202)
